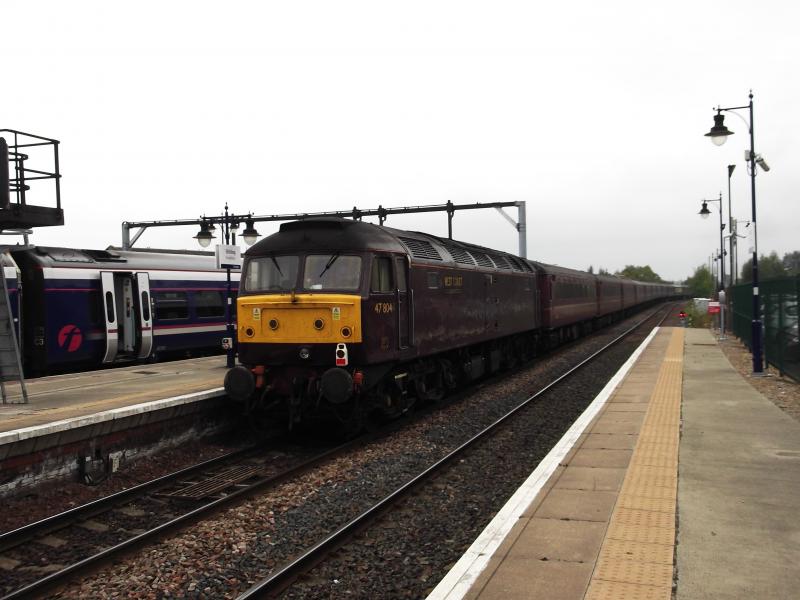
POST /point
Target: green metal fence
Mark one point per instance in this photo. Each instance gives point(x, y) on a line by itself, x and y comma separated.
point(780, 299)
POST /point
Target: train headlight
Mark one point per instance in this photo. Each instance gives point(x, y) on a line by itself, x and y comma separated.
point(319, 324)
point(305, 353)
point(346, 332)
point(273, 324)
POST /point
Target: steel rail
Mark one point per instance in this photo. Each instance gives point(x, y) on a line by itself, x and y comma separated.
point(36, 588)
point(16, 537)
point(282, 578)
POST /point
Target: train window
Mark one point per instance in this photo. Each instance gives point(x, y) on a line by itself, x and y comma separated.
point(209, 303)
point(332, 272)
point(109, 307)
point(95, 300)
point(401, 274)
point(171, 305)
point(433, 280)
point(381, 280)
point(271, 273)
point(145, 306)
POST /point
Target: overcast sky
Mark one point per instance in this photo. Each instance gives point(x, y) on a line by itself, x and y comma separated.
point(593, 113)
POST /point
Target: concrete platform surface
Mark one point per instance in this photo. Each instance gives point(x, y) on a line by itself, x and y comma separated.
point(685, 484)
point(739, 487)
point(63, 397)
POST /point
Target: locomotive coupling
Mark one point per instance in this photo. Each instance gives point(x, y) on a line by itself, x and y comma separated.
point(240, 383)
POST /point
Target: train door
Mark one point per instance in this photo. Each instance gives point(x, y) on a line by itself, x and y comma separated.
point(110, 314)
point(491, 303)
point(404, 308)
point(126, 317)
point(145, 314)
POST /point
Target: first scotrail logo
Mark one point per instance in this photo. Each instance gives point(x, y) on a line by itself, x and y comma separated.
point(70, 338)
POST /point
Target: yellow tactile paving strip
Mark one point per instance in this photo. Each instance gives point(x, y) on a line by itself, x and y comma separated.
point(636, 558)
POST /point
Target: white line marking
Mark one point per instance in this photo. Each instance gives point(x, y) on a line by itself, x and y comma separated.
point(465, 572)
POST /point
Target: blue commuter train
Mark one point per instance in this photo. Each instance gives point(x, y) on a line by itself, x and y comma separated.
point(84, 309)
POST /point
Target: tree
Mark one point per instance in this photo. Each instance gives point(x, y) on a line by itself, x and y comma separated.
point(603, 271)
point(791, 262)
point(701, 283)
point(644, 273)
point(769, 267)
point(590, 270)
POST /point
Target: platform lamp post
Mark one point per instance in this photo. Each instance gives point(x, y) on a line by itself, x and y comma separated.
point(718, 134)
point(704, 212)
point(730, 226)
point(230, 225)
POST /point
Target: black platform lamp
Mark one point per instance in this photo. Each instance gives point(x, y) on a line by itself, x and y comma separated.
point(250, 235)
point(719, 134)
point(204, 236)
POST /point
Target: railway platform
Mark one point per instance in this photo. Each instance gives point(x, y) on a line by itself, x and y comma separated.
point(680, 479)
point(68, 414)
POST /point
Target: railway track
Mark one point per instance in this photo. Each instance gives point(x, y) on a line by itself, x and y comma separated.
point(280, 579)
point(89, 535)
point(199, 492)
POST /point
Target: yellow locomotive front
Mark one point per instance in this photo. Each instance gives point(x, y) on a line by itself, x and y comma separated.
point(301, 339)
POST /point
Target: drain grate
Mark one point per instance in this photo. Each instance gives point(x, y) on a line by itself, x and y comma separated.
point(215, 483)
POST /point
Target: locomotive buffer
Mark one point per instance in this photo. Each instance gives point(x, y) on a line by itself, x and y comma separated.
point(17, 217)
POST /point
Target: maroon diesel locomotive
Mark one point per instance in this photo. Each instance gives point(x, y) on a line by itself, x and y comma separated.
point(348, 319)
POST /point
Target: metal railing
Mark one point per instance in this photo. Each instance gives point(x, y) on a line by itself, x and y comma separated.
point(780, 301)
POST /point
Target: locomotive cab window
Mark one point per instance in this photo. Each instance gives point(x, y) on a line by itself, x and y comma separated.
point(401, 274)
point(332, 272)
point(381, 280)
point(271, 273)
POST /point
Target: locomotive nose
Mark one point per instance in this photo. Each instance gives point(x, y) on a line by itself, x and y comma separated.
point(240, 383)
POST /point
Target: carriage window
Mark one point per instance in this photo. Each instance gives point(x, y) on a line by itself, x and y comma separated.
point(171, 305)
point(95, 299)
point(433, 280)
point(332, 272)
point(209, 303)
point(271, 273)
point(381, 275)
point(401, 274)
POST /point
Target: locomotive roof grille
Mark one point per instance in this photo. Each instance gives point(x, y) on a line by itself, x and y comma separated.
point(421, 248)
point(500, 261)
point(459, 254)
point(516, 264)
point(481, 259)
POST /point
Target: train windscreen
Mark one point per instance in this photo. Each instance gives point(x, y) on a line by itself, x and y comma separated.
point(332, 272)
point(271, 273)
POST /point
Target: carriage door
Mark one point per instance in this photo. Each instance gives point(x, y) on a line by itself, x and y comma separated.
point(145, 314)
point(404, 321)
point(110, 314)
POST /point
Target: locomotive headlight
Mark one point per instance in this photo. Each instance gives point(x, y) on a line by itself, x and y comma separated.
point(273, 324)
point(305, 353)
point(319, 324)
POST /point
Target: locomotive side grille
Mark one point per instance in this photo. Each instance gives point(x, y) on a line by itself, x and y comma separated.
point(500, 261)
point(459, 254)
point(421, 248)
point(481, 259)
